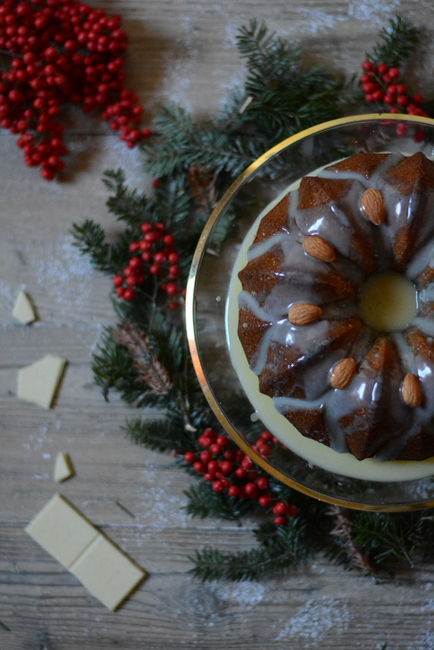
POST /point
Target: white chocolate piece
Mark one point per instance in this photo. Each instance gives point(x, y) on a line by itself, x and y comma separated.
point(73, 540)
point(63, 468)
point(38, 382)
point(62, 531)
point(107, 573)
point(23, 309)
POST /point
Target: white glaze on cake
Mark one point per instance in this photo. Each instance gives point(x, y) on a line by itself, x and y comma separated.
point(315, 382)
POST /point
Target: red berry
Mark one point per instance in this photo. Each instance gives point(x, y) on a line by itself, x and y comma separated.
point(418, 99)
point(279, 521)
point(252, 490)
point(135, 263)
point(189, 457)
point(368, 66)
point(382, 68)
point(394, 73)
point(226, 466)
point(218, 486)
point(401, 89)
point(266, 435)
point(291, 511)
point(265, 500)
point(279, 508)
point(129, 294)
point(216, 449)
point(419, 135)
point(199, 467)
point(247, 463)
point(234, 491)
point(205, 456)
point(173, 258)
point(212, 466)
point(370, 87)
point(402, 100)
point(389, 99)
point(229, 454)
point(118, 280)
point(209, 477)
point(204, 440)
point(146, 227)
point(378, 96)
point(263, 483)
point(240, 472)
point(172, 289)
point(223, 441)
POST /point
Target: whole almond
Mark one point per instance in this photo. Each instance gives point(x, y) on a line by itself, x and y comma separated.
point(342, 374)
point(319, 248)
point(412, 390)
point(373, 207)
point(304, 313)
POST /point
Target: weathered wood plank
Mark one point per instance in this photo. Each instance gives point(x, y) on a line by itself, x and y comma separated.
point(181, 51)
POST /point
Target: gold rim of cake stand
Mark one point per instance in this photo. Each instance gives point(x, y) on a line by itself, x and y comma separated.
point(190, 322)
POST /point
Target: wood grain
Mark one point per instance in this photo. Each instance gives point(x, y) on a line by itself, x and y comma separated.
point(180, 50)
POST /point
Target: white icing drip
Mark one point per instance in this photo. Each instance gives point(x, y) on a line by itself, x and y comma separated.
point(427, 294)
point(266, 245)
point(348, 176)
point(426, 325)
point(288, 404)
point(423, 258)
point(247, 301)
point(405, 351)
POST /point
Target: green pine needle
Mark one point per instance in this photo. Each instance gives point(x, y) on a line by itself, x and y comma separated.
point(397, 42)
point(283, 551)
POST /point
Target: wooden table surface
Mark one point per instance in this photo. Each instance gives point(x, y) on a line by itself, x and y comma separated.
point(180, 50)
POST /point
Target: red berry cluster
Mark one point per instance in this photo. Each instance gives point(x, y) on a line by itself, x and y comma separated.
point(62, 51)
point(381, 84)
point(234, 471)
point(153, 256)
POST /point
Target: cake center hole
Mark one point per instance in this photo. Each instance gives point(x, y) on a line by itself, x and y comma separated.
point(388, 301)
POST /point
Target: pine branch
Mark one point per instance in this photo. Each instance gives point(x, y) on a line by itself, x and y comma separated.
point(384, 537)
point(397, 42)
point(127, 205)
point(283, 551)
point(90, 239)
point(160, 434)
point(113, 367)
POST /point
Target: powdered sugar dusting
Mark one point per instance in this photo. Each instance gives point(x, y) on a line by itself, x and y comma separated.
point(312, 622)
point(373, 11)
point(248, 594)
point(65, 274)
point(424, 640)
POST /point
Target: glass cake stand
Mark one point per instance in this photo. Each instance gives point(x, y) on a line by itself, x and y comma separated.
point(211, 316)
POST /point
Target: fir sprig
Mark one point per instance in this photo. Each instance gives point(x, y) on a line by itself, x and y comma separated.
point(280, 549)
point(397, 42)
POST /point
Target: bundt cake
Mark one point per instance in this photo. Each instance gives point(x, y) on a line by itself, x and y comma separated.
point(354, 376)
